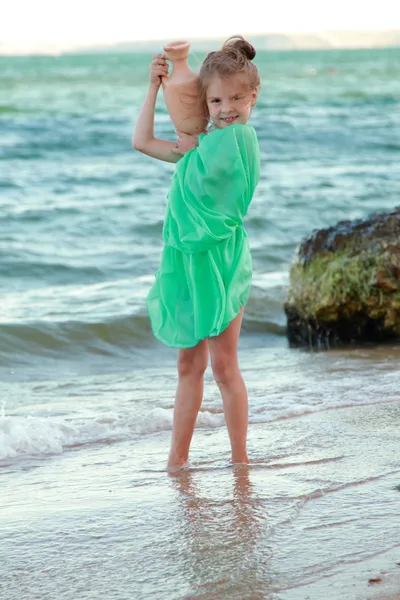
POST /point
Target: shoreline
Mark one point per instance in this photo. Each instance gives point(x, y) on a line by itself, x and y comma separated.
point(313, 516)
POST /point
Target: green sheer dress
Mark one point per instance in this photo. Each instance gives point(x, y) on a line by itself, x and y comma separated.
point(205, 273)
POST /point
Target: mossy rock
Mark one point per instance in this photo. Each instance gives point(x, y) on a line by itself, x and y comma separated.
point(345, 284)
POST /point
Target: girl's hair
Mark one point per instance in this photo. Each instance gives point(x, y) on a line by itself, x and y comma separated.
point(234, 58)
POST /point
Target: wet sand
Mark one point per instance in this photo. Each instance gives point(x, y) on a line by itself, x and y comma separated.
point(389, 586)
point(316, 515)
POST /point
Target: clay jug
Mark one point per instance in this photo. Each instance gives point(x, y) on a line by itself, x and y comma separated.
point(181, 91)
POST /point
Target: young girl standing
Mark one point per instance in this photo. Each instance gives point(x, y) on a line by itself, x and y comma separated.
point(203, 282)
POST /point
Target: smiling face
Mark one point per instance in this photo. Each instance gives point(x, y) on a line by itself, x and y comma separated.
point(229, 100)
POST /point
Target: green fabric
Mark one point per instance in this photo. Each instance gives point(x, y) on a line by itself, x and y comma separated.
point(205, 273)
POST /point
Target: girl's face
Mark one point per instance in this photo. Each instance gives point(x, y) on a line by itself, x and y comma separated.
point(229, 101)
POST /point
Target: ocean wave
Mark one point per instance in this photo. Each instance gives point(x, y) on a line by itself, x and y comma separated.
point(37, 436)
point(67, 339)
point(55, 338)
point(17, 268)
point(30, 436)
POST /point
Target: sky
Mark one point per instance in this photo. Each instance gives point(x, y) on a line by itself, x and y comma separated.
point(64, 24)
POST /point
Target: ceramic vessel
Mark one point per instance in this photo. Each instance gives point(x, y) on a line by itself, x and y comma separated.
point(181, 91)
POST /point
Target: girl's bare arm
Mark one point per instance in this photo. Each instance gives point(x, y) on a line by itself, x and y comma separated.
point(143, 136)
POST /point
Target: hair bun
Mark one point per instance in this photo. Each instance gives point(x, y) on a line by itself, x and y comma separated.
point(241, 45)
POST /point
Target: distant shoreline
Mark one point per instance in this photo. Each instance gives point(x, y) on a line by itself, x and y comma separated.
point(324, 40)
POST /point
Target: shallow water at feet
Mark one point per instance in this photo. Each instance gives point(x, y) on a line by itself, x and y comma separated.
point(99, 516)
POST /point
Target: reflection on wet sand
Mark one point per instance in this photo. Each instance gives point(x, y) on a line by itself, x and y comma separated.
point(220, 528)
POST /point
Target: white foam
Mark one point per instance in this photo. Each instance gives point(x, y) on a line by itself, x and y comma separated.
point(30, 436)
point(160, 419)
point(50, 435)
point(20, 435)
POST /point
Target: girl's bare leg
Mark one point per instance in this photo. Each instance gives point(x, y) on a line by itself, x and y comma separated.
point(225, 366)
point(192, 362)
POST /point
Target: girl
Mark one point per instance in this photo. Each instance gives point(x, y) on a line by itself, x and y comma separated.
point(196, 303)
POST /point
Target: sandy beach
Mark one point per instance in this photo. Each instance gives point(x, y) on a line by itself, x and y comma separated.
point(314, 515)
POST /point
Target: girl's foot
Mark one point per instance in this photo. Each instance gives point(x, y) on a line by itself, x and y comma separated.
point(240, 461)
point(174, 467)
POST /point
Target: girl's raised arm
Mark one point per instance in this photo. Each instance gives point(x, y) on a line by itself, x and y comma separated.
point(143, 138)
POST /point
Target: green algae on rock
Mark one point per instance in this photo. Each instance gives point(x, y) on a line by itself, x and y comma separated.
point(345, 284)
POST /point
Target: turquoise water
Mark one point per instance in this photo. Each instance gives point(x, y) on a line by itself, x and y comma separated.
point(81, 212)
point(87, 393)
